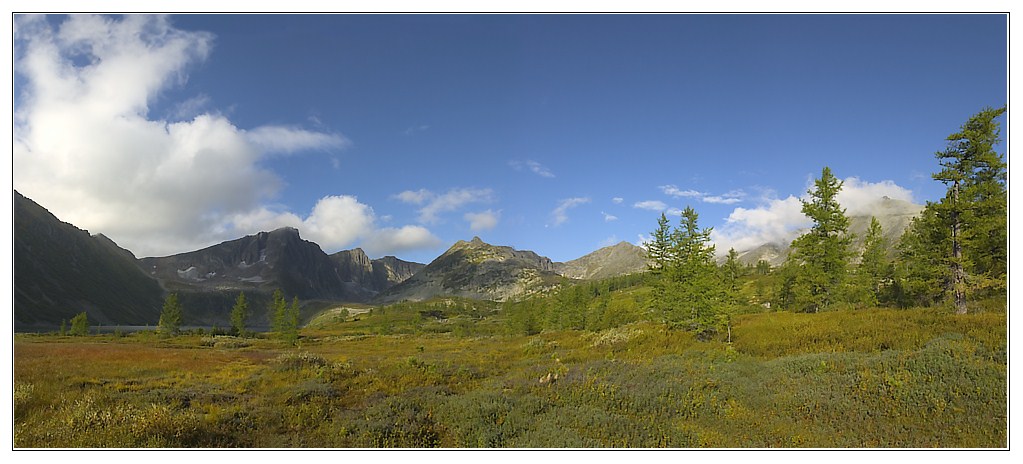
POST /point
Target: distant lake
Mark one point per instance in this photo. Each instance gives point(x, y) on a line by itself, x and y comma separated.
point(108, 329)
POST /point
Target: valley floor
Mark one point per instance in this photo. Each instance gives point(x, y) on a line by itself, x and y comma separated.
point(849, 379)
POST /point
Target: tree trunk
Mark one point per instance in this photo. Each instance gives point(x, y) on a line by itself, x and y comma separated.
point(958, 274)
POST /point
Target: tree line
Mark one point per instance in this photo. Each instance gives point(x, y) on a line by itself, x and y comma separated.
point(954, 252)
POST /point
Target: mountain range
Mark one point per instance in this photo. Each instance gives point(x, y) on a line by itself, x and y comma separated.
point(60, 270)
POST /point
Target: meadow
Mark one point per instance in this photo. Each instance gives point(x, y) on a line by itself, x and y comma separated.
point(458, 373)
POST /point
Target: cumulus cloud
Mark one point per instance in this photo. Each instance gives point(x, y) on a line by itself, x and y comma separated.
point(617, 200)
point(434, 204)
point(560, 214)
point(337, 222)
point(609, 217)
point(533, 166)
point(483, 220)
point(392, 240)
point(779, 221)
point(87, 148)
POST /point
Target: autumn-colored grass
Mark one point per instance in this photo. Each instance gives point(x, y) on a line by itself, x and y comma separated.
point(405, 378)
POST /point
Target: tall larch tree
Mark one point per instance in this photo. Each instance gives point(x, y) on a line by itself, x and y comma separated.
point(873, 266)
point(975, 206)
point(240, 314)
point(170, 315)
point(822, 254)
point(695, 278)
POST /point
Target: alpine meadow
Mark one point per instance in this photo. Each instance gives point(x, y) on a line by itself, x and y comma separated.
point(510, 231)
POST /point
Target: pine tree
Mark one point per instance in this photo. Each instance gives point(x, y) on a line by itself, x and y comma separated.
point(822, 254)
point(239, 314)
point(170, 315)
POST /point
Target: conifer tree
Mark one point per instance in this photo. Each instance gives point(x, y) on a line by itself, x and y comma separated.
point(872, 268)
point(922, 269)
point(290, 328)
point(822, 254)
point(659, 258)
point(694, 278)
point(959, 244)
point(239, 314)
point(278, 312)
point(975, 205)
point(732, 270)
point(170, 315)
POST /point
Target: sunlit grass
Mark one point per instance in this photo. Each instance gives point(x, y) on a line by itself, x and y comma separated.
point(410, 377)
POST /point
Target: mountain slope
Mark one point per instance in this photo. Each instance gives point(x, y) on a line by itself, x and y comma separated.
point(60, 271)
point(476, 269)
point(622, 258)
point(280, 259)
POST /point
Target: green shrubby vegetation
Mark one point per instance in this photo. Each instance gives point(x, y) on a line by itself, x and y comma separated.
point(845, 378)
point(836, 348)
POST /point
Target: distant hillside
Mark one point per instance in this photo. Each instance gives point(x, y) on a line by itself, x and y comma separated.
point(60, 271)
point(479, 270)
point(209, 279)
point(622, 258)
point(894, 216)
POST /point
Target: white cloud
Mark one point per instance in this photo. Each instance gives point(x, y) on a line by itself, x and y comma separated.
point(190, 108)
point(659, 206)
point(718, 199)
point(617, 200)
point(651, 205)
point(560, 213)
point(390, 240)
point(416, 197)
point(774, 221)
point(288, 140)
point(858, 196)
point(674, 191)
point(780, 221)
point(341, 221)
point(86, 148)
point(452, 200)
point(533, 166)
point(609, 217)
point(483, 220)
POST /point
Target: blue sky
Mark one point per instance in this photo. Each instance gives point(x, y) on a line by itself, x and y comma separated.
point(557, 133)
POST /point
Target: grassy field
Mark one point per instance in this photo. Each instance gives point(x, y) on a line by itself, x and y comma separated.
point(449, 374)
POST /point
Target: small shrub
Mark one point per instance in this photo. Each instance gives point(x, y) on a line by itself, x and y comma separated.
point(298, 361)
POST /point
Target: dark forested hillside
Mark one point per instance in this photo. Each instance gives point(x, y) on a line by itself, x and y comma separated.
point(60, 271)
